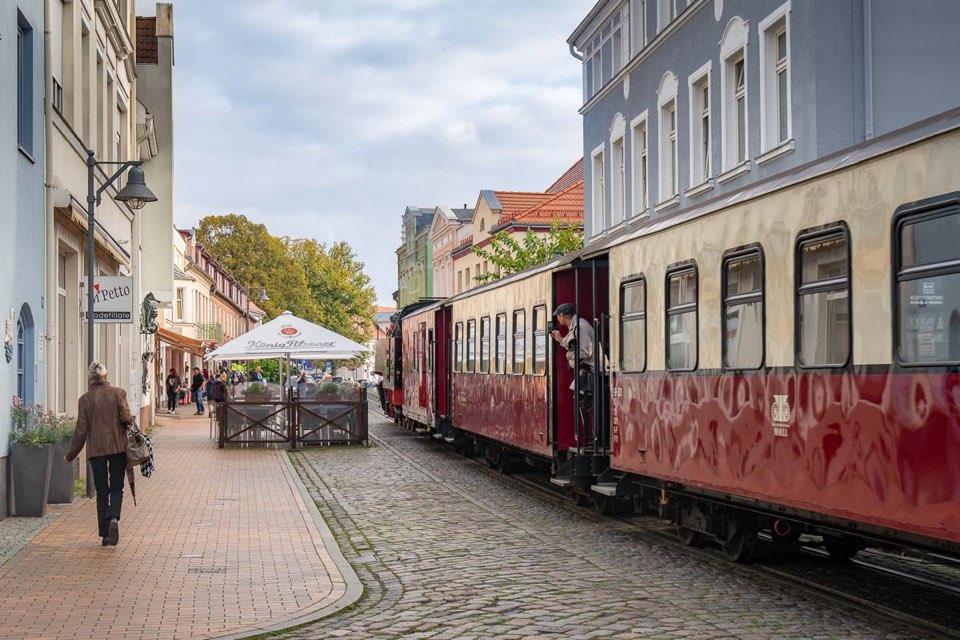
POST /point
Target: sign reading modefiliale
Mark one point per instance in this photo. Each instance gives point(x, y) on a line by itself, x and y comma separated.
point(112, 299)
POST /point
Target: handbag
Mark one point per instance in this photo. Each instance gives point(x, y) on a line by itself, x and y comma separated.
point(138, 451)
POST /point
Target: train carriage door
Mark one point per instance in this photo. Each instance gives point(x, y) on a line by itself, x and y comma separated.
point(431, 366)
point(581, 427)
point(422, 364)
point(441, 365)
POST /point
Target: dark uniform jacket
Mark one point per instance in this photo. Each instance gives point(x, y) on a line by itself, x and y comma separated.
point(102, 417)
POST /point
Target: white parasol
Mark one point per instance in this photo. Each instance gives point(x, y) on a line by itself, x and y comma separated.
point(290, 337)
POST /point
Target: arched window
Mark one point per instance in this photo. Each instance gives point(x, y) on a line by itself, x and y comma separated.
point(25, 342)
point(483, 224)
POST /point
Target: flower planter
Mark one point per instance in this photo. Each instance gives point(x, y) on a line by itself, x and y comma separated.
point(30, 479)
point(61, 475)
point(257, 397)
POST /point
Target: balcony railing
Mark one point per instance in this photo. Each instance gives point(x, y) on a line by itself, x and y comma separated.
point(210, 331)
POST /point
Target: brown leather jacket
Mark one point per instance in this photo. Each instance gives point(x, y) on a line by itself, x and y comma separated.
point(102, 416)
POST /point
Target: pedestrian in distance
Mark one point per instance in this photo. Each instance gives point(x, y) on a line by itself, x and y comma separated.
point(302, 384)
point(257, 375)
point(173, 390)
point(196, 388)
point(208, 390)
point(103, 417)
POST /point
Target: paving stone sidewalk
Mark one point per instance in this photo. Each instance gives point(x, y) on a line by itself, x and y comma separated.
point(223, 543)
point(446, 550)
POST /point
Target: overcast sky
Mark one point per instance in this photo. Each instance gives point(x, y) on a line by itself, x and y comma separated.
point(325, 118)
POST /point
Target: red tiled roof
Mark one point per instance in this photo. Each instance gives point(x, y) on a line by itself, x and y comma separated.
point(570, 176)
point(147, 40)
point(513, 202)
point(566, 207)
point(380, 309)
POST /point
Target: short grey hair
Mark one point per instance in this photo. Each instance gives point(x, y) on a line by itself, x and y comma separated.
point(97, 372)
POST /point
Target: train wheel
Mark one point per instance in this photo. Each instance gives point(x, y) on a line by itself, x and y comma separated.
point(843, 548)
point(741, 545)
point(503, 463)
point(580, 499)
point(603, 504)
point(689, 537)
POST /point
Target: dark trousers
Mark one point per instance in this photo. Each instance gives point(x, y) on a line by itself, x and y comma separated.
point(171, 400)
point(108, 473)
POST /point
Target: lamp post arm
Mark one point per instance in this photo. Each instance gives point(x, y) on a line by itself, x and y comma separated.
point(119, 172)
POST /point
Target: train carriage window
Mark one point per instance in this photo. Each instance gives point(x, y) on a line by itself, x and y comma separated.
point(633, 325)
point(471, 345)
point(682, 319)
point(743, 317)
point(823, 305)
point(485, 345)
point(500, 356)
point(539, 340)
point(430, 348)
point(519, 342)
point(458, 347)
point(928, 287)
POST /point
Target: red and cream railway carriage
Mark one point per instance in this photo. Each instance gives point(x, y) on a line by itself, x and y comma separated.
point(786, 358)
point(792, 359)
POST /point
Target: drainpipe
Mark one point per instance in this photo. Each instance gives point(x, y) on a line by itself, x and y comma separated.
point(49, 387)
point(573, 52)
point(868, 69)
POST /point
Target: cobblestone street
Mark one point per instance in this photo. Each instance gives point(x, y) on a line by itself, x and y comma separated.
point(447, 550)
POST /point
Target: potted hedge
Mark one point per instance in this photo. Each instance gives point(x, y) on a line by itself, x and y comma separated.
point(62, 473)
point(328, 392)
point(31, 459)
point(350, 391)
point(257, 392)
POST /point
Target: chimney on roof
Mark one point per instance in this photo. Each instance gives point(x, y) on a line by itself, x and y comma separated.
point(464, 205)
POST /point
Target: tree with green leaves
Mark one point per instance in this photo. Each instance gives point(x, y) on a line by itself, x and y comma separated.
point(512, 255)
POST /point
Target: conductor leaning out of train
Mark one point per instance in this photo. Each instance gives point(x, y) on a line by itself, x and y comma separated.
point(579, 337)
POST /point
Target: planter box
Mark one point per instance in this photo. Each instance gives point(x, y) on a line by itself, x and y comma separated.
point(30, 479)
point(61, 475)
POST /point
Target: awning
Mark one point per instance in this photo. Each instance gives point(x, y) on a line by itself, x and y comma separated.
point(291, 337)
point(182, 342)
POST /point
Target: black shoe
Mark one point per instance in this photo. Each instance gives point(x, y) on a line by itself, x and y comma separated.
point(105, 541)
point(114, 536)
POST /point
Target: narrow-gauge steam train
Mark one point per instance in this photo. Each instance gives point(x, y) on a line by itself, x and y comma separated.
point(784, 359)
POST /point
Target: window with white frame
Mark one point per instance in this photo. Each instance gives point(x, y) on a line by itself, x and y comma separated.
point(700, 123)
point(618, 194)
point(667, 102)
point(607, 52)
point(775, 125)
point(735, 137)
point(598, 190)
point(666, 12)
point(638, 25)
point(639, 164)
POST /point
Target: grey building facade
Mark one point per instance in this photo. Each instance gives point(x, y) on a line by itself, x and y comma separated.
point(22, 213)
point(685, 102)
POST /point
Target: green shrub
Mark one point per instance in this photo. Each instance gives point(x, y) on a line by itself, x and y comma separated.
point(329, 387)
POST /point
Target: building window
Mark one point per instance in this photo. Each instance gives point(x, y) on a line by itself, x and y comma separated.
point(606, 54)
point(682, 319)
point(734, 94)
point(633, 325)
point(61, 332)
point(539, 340)
point(823, 304)
point(519, 341)
point(928, 286)
point(471, 345)
point(775, 125)
point(24, 84)
point(485, 345)
point(640, 165)
point(743, 314)
point(599, 191)
point(178, 310)
point(667, 103)
point(458, 347)
point(21, 360)
point(638, 25)
point(619, 192)
point(500, 357)
point(700, 147)
point(666, 12)
point(57, 96)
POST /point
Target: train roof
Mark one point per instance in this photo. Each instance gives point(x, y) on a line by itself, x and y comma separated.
point(881, 145)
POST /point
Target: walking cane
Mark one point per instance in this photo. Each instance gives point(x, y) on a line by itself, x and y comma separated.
point(133, 485)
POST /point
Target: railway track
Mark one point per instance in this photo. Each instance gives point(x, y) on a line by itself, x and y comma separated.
point(919, 590)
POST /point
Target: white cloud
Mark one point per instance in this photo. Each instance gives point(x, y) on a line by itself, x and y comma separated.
point(325, 119)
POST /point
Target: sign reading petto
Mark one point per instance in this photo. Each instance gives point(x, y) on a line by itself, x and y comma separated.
point(112, 299)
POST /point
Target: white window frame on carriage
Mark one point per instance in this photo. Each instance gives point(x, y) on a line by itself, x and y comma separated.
point(640, 165)
point(733, 49)
point(701, 131)
point(598, 196)
point(775, 104)
point(669, 143)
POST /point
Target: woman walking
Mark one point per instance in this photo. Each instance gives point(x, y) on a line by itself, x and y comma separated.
point(103, 417)
point(173, 390)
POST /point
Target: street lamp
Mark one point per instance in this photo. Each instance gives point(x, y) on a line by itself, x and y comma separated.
point(262, 298)
point(135, 194)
